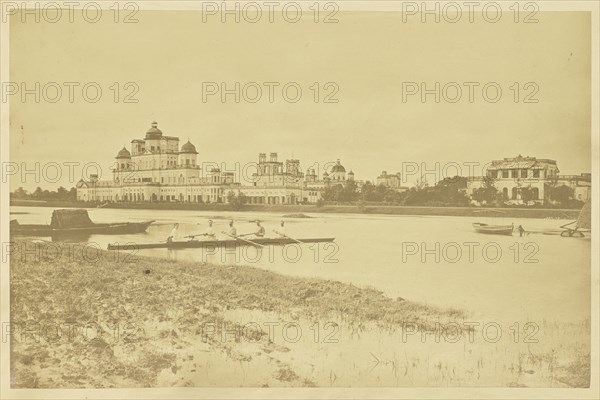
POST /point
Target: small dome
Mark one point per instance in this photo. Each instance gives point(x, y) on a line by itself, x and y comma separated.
point(188, 148)
point(124, 153)
point(338, 167)
point(350, 173)
point(154, 132)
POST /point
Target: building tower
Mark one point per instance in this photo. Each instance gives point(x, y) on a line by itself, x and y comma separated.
point(187, 155)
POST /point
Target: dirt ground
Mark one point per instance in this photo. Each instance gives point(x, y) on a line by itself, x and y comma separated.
point(105, 319)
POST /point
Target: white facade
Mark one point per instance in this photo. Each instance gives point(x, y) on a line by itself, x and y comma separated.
point(156, 169)
point(510, 175)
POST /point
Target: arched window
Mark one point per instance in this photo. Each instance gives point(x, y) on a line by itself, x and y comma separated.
point(505, 193)
point(536, 193)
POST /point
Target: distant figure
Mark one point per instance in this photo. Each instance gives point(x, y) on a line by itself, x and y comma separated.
point(210, 231)
point(173, 234)
point(281, 230)
point(521, 230)
point(232, 231)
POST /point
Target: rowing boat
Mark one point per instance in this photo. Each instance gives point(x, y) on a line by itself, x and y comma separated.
point(96, 229)
point(75, 223)
point(493, 229)
point(190, 244)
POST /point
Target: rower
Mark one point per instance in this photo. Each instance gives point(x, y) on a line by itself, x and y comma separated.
point(210, 232)
point(173, 234)
point(232, 231)
point(281, 230)
point(260, 231)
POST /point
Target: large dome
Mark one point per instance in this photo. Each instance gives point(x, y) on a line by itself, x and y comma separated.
point(338, 167)
point(188, 148)
point(154, 132)
point(124, 153)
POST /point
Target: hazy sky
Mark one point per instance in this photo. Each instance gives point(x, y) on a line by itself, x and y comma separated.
point(368, 55)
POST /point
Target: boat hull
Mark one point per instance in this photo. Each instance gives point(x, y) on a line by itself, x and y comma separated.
point(190, 244)
point(95, 229)
point(493, 229)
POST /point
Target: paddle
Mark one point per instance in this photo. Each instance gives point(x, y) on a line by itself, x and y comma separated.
point(193, 236)
point(289, 237)
point(245, 240)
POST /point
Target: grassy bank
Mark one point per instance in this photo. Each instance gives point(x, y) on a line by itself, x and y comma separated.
point(508, 212)
point(128, 321)
point(166, 302)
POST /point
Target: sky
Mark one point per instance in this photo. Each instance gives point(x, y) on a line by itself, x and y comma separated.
point(368, 56)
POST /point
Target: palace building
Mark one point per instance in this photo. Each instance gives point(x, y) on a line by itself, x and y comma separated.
point(510, 175)
point(157, 169)
point(392, 181)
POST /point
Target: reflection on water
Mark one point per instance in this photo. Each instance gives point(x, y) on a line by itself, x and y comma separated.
point(436, 260)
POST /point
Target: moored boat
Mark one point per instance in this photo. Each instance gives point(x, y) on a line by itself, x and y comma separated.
point(76, 222)
point(493, 229)
point(213, 243)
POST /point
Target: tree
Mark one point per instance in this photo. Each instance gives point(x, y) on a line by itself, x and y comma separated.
point(451, 191)
point(333, 193)
point(528, 194)
point(20, 193)
point(37, 193)
point(560, 194)
point(62, 193)
point(236, 201)
point(487, 192)
point(350, 191)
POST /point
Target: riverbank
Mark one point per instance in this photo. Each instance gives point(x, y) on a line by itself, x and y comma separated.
point(508, 212)
point(107, 319)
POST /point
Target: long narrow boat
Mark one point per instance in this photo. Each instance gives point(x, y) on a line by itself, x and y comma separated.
point(493, 229)
point(96, 229)
point(190, 244)
point(75, 222)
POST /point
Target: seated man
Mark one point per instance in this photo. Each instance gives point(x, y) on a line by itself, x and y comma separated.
point(260, 231)
point(210, 231)
point(173, 234)
point(281, 230)
point(232, 231)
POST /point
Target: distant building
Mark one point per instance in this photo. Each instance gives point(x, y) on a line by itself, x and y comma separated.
point(276, 182)
point(338, 176)
point(156, 169)
point(510, 175)
point(338, 172)
point(392, 181)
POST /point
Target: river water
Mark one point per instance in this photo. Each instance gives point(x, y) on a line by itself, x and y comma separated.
point(435, 260)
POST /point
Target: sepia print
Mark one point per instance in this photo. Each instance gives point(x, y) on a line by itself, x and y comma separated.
point(294, 199)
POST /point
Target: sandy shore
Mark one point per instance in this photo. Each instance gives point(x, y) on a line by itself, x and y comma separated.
point(106, 319)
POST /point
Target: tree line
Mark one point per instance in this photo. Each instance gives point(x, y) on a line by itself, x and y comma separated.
point(38, 194)
point(447, 192)
point(450, 191)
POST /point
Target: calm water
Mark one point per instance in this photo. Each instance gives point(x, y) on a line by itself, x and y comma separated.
point(498, 278)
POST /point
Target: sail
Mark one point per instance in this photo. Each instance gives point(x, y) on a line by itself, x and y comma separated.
point(584, 221)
